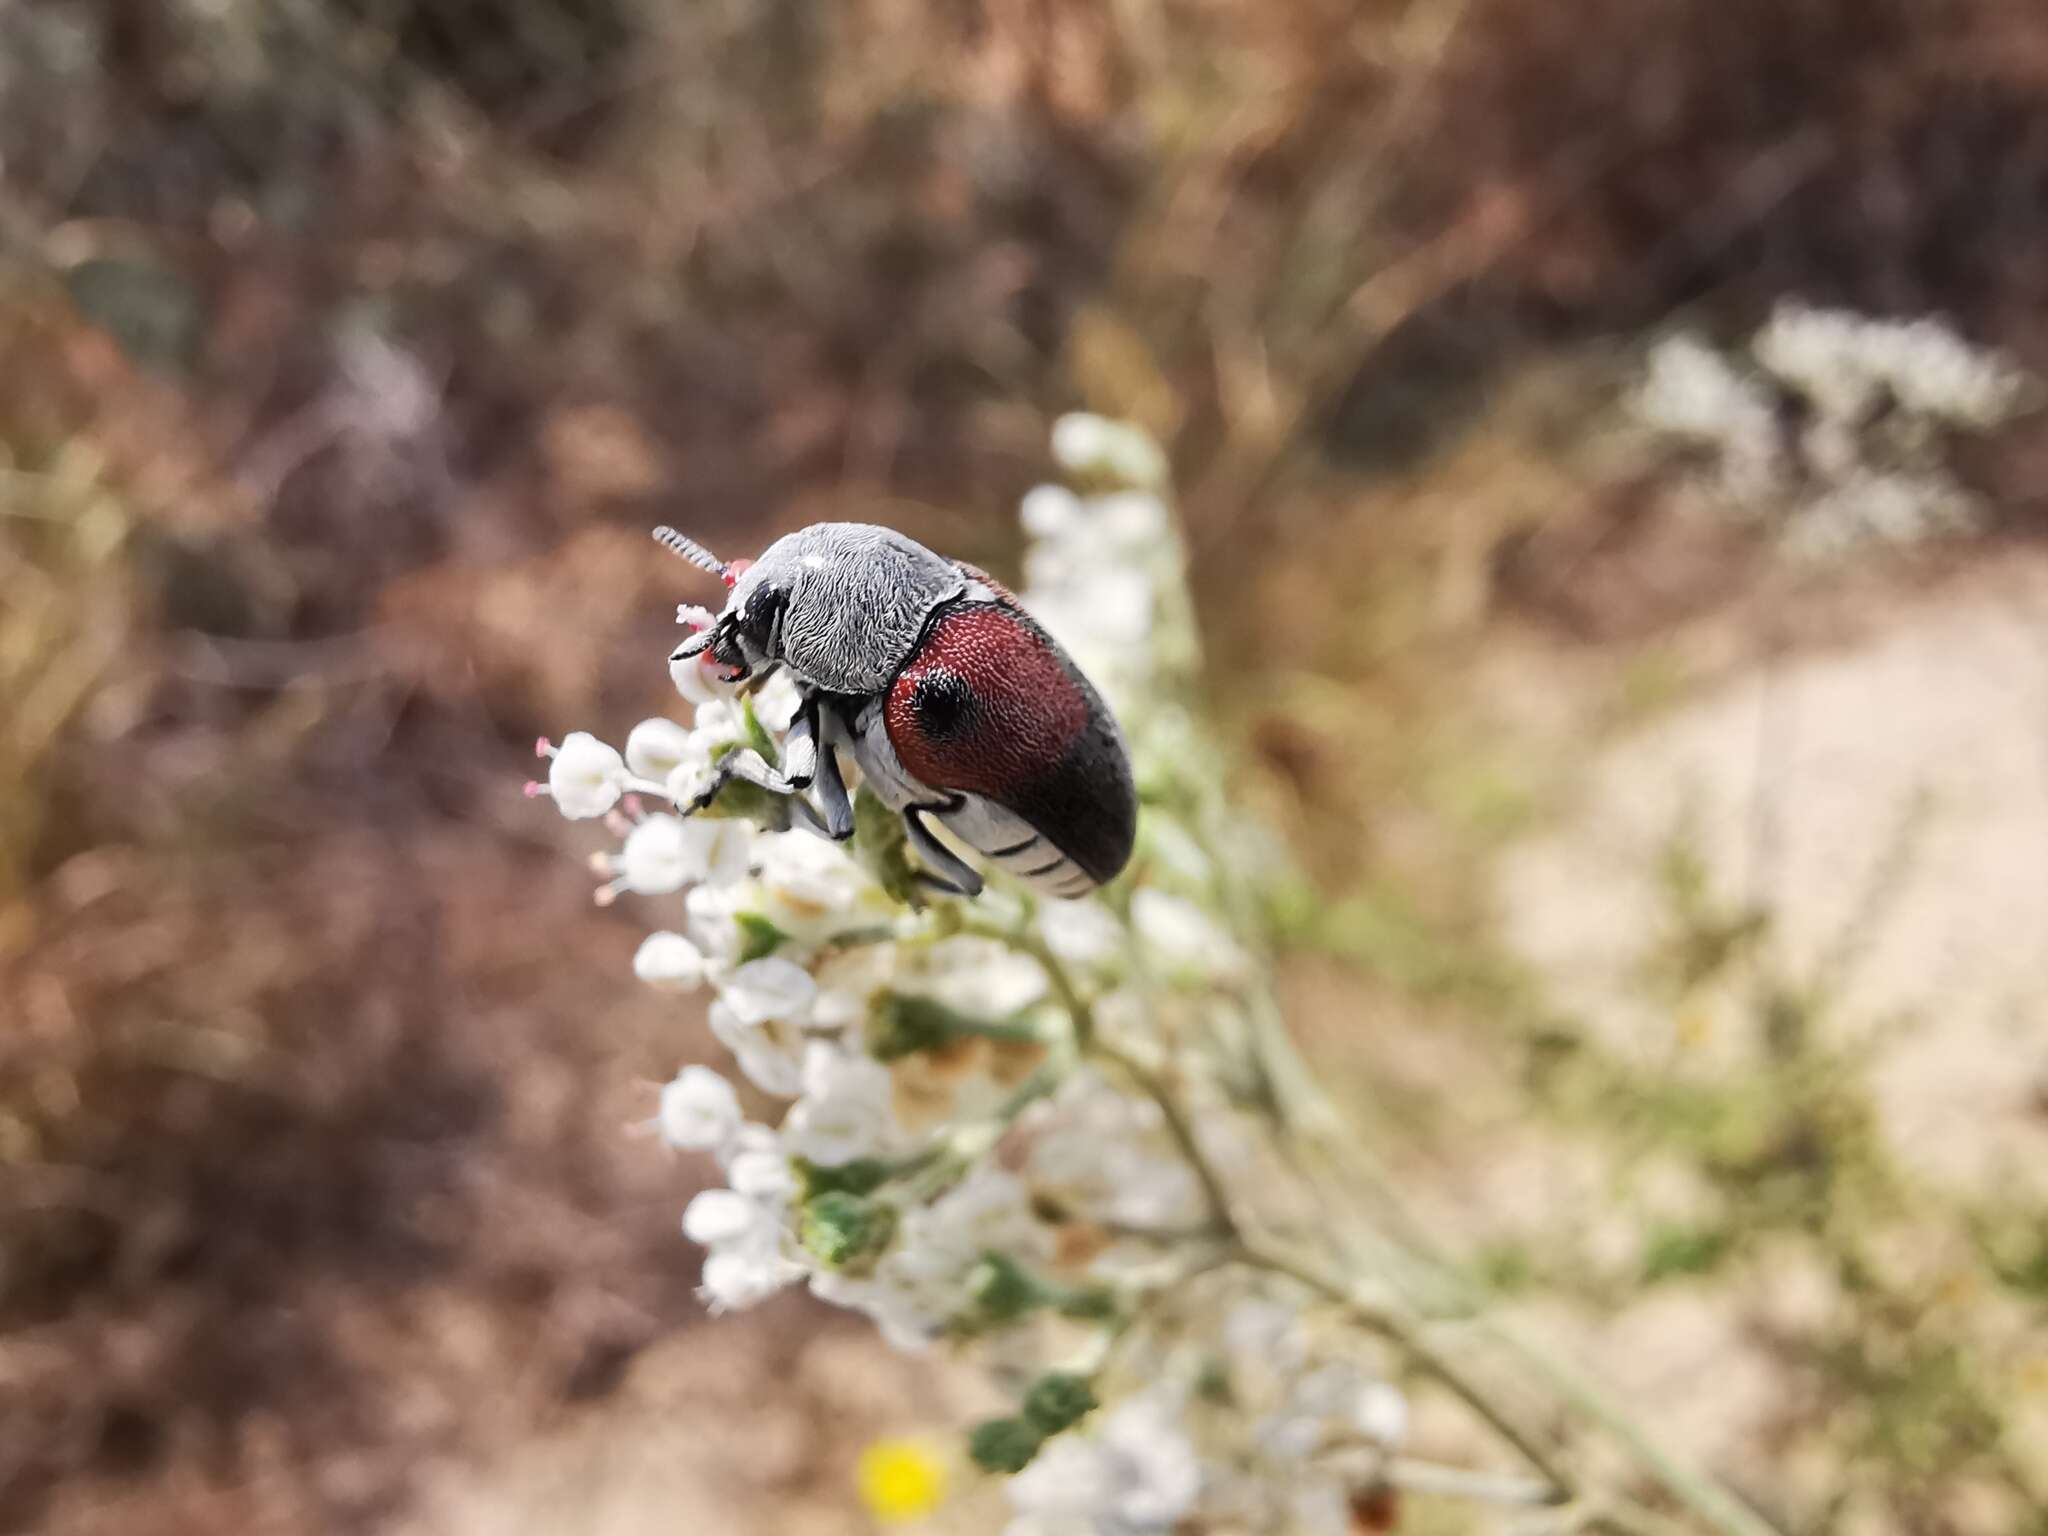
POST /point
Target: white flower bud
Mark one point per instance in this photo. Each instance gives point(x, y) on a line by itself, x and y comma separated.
point(585, 777)
point(669, 961)
point(720, 1216)
point(699, 1110)
point(656, 748)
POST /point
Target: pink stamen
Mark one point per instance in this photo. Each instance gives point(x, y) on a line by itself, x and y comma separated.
point(605, 895)
point(533, 788)
point(542, 747)
point(634, 810)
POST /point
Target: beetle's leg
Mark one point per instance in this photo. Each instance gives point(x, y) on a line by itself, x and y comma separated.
point(944, 868)
point(799, 763)
point(833, 803)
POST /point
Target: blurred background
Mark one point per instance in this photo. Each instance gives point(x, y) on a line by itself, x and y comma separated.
point(1671, 901)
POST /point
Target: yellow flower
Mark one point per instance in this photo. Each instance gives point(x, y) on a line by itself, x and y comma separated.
point(901, 1479)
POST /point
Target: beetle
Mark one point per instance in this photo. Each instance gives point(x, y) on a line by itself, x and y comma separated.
point(954, 703)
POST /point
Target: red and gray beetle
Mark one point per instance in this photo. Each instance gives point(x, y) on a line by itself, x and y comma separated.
point(955, 704)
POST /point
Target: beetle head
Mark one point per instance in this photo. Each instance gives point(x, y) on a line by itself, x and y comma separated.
point(749, 631)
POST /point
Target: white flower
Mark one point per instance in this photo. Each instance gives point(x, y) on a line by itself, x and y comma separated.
point(585, 777)
point(769, 989)
point(1138, 1474)
point(1095, 445)
point(763, 1174)
point(1138, 520)
point(940, 1243)
point(656, 748)
point(699, 1110)
point(902, 1317)
point(663, 853)
point(743, 1274)
point(978, 976)
point(1082, 933)
point(750, 1139)
point(1381, 1413)
point(669, 961)
point(690, 777)
point(728, 850)
point(719, 724)
point(1050, 511)
point(720, 1216)
point(776, 702)
point(804, 870)
point(1182, 936)
point(847, 1110)
point(712, 923)
point(769, 1053)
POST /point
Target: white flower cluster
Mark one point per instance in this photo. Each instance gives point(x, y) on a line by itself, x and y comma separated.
point(1835, 427)
point(951, 1116)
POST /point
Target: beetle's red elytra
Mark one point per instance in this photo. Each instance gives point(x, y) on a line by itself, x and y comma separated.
point(986, 705)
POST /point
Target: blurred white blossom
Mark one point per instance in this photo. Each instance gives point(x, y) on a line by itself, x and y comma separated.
point(670, 961)
point(699, 1111)
point(1835, 428)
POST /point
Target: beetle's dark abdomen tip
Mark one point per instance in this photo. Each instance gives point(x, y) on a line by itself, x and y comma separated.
point(991, 705)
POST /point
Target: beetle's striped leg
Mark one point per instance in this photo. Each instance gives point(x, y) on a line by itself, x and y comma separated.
point(944, 868)
point(834, 804)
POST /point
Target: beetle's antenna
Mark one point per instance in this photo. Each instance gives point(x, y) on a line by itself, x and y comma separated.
point(690, 550)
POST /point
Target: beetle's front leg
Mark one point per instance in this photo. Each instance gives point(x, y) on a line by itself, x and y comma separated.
point(799, 763)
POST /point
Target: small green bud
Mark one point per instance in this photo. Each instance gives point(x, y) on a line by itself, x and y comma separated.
point(1058, 1400)
point(1003, 1289)
point(862, 1176)
point(1003, 1445)
point(841, 1229)
point(1091, 1304)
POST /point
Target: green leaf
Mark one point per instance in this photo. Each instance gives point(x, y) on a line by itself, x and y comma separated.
point(758, 936)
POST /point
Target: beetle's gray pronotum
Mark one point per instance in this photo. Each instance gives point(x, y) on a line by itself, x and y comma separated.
point(952, 700)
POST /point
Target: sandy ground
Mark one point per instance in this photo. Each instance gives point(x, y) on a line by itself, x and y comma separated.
point(1886, 800)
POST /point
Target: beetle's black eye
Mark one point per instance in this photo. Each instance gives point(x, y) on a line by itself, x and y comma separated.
point(762, 617)
point(944, 704)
